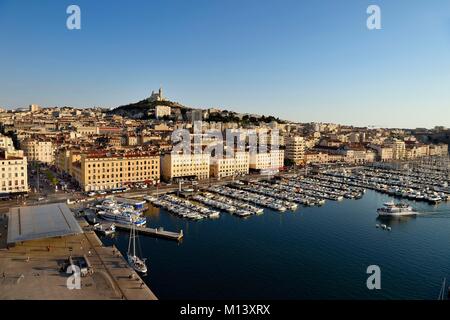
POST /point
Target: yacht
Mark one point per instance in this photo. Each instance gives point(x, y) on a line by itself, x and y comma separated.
point(121, 217)
point(391, 209)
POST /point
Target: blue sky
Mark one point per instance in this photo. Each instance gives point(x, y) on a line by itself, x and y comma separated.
point(299, 60)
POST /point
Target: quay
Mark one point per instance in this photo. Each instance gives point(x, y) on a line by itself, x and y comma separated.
point(154, 232)
point(34, 266)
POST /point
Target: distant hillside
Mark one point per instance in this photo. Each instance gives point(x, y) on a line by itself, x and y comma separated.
point(145, 109)
point(142, 109)
point(439, 137)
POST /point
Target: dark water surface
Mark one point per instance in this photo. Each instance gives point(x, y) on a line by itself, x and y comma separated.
point(313, 253)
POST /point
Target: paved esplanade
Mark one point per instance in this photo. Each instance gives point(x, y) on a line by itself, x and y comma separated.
point(32, 269)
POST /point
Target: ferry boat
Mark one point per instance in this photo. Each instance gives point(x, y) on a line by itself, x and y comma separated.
point(392, 209)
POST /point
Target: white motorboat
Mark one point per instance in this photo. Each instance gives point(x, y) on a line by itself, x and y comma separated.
point(105, 229)
point(392, 209)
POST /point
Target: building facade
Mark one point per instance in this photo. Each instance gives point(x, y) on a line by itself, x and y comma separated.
point(398, 149)
point(162, 111)
point(232, 166)
point(13, 172)
point(103, 171)
point(38, 150)
point(438, 150)
point(6, 142)
point(271, 160)
point(193, 165)
point(295, 149)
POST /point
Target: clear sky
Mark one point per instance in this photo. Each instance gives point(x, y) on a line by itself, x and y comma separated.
point(299, 60)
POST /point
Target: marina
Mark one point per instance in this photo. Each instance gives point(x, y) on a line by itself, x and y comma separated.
point(108, 215)
point(335, 211)
point(338, 239)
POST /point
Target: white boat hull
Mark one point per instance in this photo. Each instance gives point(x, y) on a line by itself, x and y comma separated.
point(396, 214)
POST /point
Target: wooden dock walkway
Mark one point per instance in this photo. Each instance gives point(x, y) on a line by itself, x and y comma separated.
point(154, 232)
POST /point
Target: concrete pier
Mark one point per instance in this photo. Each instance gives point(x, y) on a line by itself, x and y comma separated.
point(154, 232)
point(32, 270)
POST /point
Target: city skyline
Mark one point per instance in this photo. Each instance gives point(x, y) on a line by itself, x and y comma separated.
point(302, 62)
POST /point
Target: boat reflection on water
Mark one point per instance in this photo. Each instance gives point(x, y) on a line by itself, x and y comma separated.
point(390, 221)
point(152, 211)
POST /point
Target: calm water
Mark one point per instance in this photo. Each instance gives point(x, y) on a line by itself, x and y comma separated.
point(314, 253)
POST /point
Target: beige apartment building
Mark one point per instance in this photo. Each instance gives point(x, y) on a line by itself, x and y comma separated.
point(185, 166)
point(271, 160)
point(238, 164)
point(13, 172)
point(295, 149)
point(398, 149)
point(6, 142)
point(417, 151)
point(161, 111)
point(384, 153)
point(38, 150)
point(87, 131)
point(103, 171)
point(438, 149)
point(318, 157)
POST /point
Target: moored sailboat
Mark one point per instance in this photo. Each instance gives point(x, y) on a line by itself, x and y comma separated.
point(134, 261)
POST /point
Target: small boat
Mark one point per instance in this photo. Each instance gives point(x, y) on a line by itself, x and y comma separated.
point(388, 228)
point(377, 225)
point(105, 229)
point(383, 226)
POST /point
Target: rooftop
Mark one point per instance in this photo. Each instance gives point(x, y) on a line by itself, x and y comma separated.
point(39, 222)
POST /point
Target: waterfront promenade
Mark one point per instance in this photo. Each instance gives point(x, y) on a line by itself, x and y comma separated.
point(32, 270)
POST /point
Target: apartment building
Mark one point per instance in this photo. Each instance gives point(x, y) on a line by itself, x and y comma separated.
point(438, 149)
point(238, 164)
point(6, 142)
point(195, 165)
point(317, 157)
point(295, 149)
point(416, 151)
point(384, 153)
point(271, 160)
point(87, 131)
point(398, 149)
point(38, 150)
point(104, 171)
point(161, 111)
point(13, 172)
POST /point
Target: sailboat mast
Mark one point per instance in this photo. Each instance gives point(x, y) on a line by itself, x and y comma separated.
point(129, 241)
point(134, 240)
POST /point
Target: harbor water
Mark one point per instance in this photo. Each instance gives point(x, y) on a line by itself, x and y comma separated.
point(312, 253)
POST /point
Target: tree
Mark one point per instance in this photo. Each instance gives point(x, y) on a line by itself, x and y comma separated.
point(289, 162)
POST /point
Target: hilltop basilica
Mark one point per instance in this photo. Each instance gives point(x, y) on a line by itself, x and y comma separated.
point(156, 96)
